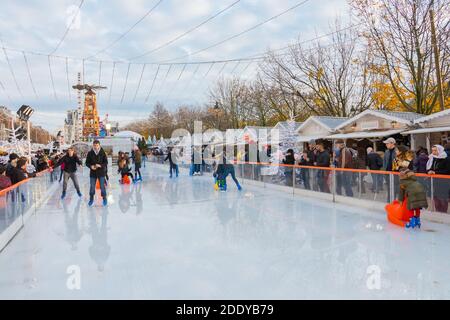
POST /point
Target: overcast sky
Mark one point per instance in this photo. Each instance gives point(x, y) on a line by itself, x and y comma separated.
point(39, 25)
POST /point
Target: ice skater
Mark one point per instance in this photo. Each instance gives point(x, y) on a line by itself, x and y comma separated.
point(137, 158)
point(173, 161)
point(414, 193)
point(68, 165)
point(221, 173)
point(125, 170)
point(97, 162)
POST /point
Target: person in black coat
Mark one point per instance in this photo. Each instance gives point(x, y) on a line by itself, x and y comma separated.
point(173, 161)
point(19, 172)
point(439, 163)
point(97, 162)
point(375, 163)
point(70, 161)
point(289, 170)
point(12, 163)
point(322, 160)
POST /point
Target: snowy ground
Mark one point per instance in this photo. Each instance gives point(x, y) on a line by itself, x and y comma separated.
point(179, 239)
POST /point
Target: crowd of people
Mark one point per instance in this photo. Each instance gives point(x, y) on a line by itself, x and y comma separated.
point(15, 168)
point(395, 158)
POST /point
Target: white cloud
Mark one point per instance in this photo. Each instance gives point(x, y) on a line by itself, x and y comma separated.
point(39, 25)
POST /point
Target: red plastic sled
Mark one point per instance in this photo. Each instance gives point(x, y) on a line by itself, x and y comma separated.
point(398, 213)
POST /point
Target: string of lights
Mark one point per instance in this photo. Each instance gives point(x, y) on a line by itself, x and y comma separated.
point(112, 82)
point(126, 82)
point(68, 81)
point(51, 78)
point(182, 35)
point(139, 83)
point(67, 29)
point(127, 31)
point(29, 74)
point(153, 83)
point(11, 70)
point(240, 33)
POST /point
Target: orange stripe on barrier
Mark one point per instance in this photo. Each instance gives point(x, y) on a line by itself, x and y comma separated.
point(15, 186)
point(436, 176)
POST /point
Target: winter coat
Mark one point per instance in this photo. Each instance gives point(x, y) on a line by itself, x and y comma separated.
point(374, 161)
point(5, 182)
point(413, 191)
point(10, 168)
point(420, 163)
point(93, 159)
point(345, 159)
point(69, 164)
point(403, 160)
point(18, 175)
point(388, 160)
point(323, 159)
point(441, 186)
point(137, 157)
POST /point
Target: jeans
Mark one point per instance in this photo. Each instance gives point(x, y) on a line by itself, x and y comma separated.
point(229, 170)
point(173, 167)
point(306, 178)
point(93, 181)
point(73, 176)
point(344, 179)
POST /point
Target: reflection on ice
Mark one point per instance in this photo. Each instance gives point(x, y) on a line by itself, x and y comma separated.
point(180, 239)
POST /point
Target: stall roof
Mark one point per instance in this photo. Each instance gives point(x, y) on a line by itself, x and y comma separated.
point(329, 123)
point(362, 135)
point(432, 116)
point(402, 117)
point(309, 138)
point(426, 130)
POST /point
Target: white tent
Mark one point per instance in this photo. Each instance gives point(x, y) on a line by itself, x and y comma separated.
point(128, 134)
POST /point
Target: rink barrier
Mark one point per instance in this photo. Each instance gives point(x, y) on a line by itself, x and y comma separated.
point(20, 201)
point(361, 193)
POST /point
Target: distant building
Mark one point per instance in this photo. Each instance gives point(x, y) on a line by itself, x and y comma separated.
point(73, 126)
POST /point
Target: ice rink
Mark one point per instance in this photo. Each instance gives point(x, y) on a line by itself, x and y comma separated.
point(179, 239)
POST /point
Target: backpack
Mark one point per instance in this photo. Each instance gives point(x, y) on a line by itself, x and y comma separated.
point(354, 157)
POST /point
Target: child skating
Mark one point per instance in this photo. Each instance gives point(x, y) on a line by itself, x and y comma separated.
point(222, 171)
point(173, 161)
point(125, 170)
point(414, 193)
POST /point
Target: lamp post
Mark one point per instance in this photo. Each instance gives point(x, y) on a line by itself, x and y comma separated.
point(24, 114)
point(108, 128)
point(217, 111)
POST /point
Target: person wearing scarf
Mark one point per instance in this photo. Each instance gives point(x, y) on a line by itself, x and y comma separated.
point(439, 163)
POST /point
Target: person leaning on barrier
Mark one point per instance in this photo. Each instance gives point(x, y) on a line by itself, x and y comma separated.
point(289, 160)
point(375, 163)
point(19, 172)
point(439, 163)
point(344, 160)
point(12, 163)
point(404, 159)
point(323, 161)
point(5, 181)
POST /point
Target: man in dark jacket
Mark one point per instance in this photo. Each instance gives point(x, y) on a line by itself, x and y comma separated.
point(375, 163)
point(322, 160)
point(389, 156)
point(137, 157)
point(12, 163)
point(70, 161)
point(5, 182)
point(173, 161)
point(97, 162)
point(19, 172)
point(344, 160)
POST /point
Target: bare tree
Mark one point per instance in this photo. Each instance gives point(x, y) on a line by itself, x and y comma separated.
point(329, 80)
point(399, 35)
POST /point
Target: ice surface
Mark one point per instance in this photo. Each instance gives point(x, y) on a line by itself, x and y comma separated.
point(179, 239)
